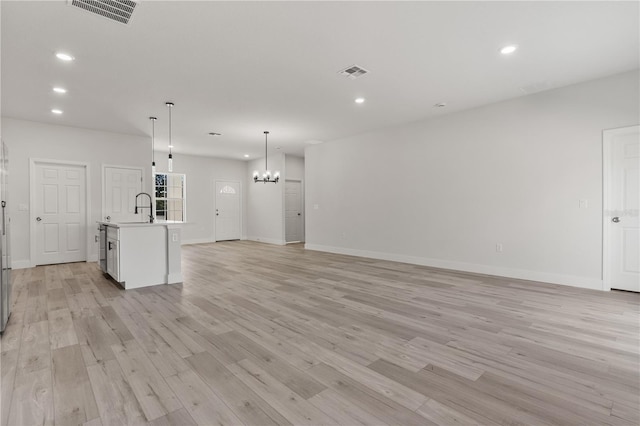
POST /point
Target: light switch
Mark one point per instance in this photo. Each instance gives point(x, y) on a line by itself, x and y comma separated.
point(23, 207)
point(583, 204)
point(316, 206)
point(174, 237)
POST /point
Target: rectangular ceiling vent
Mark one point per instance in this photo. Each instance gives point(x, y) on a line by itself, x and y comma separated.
point(353, 72)
point(115, 10)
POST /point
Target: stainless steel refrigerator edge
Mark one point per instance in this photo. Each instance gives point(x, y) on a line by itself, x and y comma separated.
point(5, 249)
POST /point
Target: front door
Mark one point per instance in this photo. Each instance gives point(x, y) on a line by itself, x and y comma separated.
point(227, 210)
point(622, 225)
point(293, 211)
point(60, 213)
point(121, 185)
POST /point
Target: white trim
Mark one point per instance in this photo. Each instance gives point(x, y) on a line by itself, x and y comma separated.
point(174, 278)
point(607, 179)
point(21, 264)
point(267, 240)
point(240, 200)
point(522, 274)
point(104, 181)
point(197, 241)
point(32, 201)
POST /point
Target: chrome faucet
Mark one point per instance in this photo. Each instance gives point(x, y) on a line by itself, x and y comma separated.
point(145, 207)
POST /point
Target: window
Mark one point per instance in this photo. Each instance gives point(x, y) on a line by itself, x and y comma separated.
point(170, 196)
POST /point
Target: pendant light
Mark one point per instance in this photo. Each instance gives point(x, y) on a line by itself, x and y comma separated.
point(153, 144)
point(266, 175)
point(170, 168)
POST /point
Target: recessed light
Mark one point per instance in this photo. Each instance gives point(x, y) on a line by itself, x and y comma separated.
point(359, 100)
point(59, 90)
point(507, 50)
point(56, 111)
point(64, 56)
point(246, 156)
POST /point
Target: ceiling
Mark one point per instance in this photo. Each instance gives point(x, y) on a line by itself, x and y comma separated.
point(239, 68)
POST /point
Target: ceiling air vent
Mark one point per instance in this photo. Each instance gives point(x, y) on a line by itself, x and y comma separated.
point(353, 72)
point(115, 10)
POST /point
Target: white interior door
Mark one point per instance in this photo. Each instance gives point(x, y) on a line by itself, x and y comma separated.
point(293, 211)
point(622, 225)
point(227, 210)
point(60, 213)
point(121, 185)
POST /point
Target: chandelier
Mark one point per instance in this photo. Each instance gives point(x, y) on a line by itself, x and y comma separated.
point(266, 175)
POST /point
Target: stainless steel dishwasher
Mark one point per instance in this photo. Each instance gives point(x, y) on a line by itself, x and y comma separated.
point(103, 247)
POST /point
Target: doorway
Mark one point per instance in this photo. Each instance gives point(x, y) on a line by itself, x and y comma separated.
point(293, 212)
point(227, 211)
point(119, 188)
point(621, 226)
point(59, 212)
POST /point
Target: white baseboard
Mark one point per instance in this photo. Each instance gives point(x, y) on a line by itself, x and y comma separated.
point(267, 240)
point(20, 264)
point(521, 274)
point(23, 264)
point(174, 278)
point(197, 241)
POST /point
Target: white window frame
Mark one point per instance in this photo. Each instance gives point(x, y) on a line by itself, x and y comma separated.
point(184, 195)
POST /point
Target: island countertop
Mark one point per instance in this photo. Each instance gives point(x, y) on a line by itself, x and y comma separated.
point(134, 224)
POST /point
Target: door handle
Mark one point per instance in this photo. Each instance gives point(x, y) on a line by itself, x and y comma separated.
point(615, 219)
point(38, 218)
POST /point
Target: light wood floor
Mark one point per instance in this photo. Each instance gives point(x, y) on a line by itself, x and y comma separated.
point(265, 335)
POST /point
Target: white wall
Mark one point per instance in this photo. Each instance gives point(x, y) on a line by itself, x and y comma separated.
point(265, 203)
point(202, 173)
point(28, 139)
point(294, 167)
point(443, 192)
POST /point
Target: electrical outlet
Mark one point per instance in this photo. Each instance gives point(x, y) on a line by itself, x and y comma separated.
point(316, 206)
point(583, 204)
point(498, 247)
point(174, 237)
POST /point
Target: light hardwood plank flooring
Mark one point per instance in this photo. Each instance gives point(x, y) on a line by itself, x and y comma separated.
point(268, 335)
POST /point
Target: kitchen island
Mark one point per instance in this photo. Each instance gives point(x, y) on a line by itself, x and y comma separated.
point(138, 254)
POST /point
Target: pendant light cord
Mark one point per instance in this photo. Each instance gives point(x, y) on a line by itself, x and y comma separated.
point(170, 144)
point(153, 140)
point(266, 167)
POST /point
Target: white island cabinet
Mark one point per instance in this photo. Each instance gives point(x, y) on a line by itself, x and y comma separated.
point(141, 254)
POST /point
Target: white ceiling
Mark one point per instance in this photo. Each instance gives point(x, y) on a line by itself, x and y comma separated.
point(239, 68)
